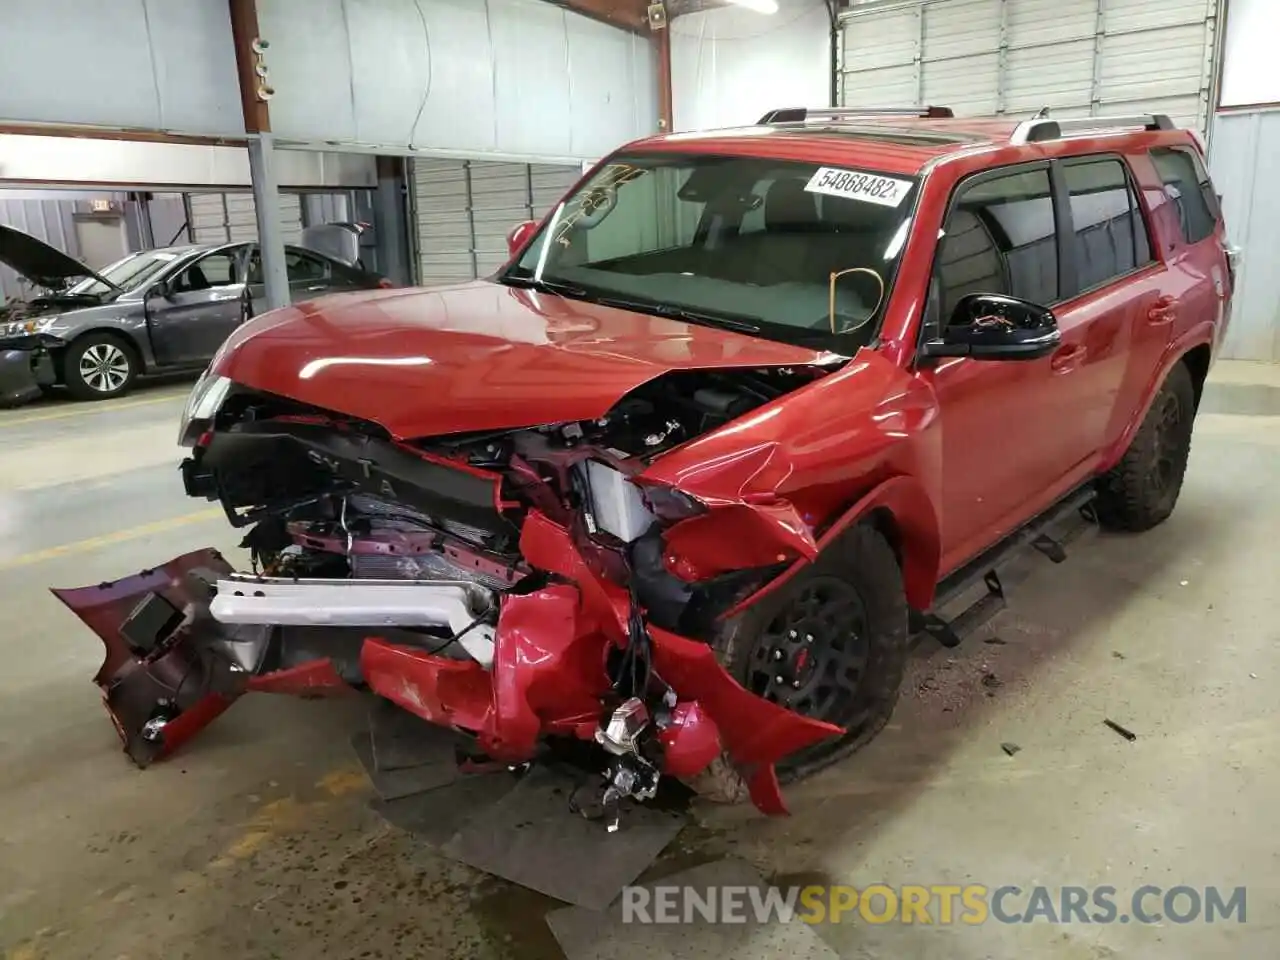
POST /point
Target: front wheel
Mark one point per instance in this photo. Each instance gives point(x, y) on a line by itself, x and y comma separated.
point(1142, 489)
point(99, 366)
point(830, 644)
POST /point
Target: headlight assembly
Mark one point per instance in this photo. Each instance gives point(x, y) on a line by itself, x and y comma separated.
point(202, 406)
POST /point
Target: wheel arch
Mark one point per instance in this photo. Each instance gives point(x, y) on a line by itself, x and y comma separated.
point(116, 332)
point(901, 510)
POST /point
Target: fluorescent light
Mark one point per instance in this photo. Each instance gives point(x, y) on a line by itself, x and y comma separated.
point(759, 6)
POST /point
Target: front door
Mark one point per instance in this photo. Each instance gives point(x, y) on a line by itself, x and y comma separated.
point(1000, 445)
point(199, 308)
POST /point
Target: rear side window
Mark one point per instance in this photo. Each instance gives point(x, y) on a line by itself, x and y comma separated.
point(1187, 184)
point(1108, 232)
point(999, 238)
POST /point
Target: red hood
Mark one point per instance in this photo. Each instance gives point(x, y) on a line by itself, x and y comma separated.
point(479, 356)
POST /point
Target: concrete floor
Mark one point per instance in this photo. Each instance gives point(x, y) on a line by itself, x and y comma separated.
point(256, 841)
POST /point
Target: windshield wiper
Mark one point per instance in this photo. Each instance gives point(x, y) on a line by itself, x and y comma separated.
point(547, 286)
point(681, 313)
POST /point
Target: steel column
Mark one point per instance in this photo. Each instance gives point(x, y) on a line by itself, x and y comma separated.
point(266, 208)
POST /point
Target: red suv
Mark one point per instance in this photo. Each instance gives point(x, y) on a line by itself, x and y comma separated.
point(680, 480)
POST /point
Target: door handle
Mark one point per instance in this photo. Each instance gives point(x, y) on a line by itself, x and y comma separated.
point(1163, 311)
point(318, 286)
point(1067, 358)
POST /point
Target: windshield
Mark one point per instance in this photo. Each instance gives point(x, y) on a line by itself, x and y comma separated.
point(743, 242)
point(127, 274)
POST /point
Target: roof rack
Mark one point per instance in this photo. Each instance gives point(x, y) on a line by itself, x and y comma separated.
point(804, 114)
point(1039, 129)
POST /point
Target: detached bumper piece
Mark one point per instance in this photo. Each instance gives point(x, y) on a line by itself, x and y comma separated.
point(185, 640)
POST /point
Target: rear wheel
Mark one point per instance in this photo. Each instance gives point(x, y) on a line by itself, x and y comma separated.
point(830, 644)
point(99, 366)
point(1142, 489)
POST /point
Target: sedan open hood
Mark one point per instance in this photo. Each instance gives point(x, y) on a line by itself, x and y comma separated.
point(480, 356)
point(40, 263)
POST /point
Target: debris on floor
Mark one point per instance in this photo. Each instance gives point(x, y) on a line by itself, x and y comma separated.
point(622, 930)
point(532, 837)
point(1127, 734)
point(524, 828)
point(1010, 748)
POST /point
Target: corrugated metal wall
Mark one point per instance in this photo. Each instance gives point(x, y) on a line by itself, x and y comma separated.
point(463, 210)
point(230, 217)
point(993, 57)
point(1244, 160)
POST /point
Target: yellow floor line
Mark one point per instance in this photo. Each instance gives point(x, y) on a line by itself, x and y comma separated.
point(87, 409)
point(108, 539)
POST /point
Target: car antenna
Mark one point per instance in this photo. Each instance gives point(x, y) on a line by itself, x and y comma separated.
point(1041, 113)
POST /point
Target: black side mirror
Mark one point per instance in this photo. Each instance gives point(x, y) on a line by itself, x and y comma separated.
point(162, 289)
point(992, 326)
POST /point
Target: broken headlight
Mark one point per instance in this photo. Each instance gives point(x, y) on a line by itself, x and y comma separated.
point(202, 406)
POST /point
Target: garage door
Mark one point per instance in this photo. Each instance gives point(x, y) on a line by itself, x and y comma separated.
point(463, 210)
point(995, 57)
point(229, 217)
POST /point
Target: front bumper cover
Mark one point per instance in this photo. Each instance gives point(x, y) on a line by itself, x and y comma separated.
point(171, 668)
point(25, 367)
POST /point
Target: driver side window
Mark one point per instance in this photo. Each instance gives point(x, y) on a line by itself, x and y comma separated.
point(1000, 237)
point(214, 270)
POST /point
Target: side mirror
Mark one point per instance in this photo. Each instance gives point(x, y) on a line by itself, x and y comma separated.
point(992, 326)
point(519, 236)
point(161, 290)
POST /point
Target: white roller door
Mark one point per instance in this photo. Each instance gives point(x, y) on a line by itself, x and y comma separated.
point(229, 217)
point(463, 210)
point(1012, 57)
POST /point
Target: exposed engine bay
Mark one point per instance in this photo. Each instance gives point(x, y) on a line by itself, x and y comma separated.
point(516, 585)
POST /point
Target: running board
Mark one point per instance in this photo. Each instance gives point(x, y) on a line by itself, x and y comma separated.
point(984, 568)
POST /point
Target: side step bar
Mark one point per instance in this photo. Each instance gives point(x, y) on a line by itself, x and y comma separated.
point(458, 605)
point(984, 567)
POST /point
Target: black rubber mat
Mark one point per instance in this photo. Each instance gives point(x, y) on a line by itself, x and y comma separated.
point(406, 781)
point(532, 837)
point(620, 934)
point(437, 815)
point(402, 740)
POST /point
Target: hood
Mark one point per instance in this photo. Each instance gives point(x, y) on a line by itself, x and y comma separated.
point(479, 356)
point(40, 263)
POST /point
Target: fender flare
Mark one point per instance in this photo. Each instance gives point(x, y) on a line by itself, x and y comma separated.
point(900, 508)
point(1201, 335)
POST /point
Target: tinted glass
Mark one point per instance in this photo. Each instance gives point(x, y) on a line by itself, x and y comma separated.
point(1187, 183)
point(741, 239)
point(999, 238)
point(1109, 234)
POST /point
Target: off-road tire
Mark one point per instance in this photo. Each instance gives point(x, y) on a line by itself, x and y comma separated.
point(1142, 489)
point(110, 345)
point(864, 561)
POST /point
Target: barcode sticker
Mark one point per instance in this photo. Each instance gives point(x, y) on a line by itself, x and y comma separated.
point(867, 187)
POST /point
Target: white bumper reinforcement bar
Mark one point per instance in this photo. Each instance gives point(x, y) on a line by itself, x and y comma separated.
point(361, 603)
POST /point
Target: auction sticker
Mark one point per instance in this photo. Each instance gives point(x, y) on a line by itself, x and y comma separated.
point(867, 187)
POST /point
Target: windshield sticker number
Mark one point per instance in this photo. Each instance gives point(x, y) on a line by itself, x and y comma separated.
point(867, 187)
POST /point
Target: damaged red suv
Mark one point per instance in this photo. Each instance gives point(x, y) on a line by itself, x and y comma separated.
point(681, 479)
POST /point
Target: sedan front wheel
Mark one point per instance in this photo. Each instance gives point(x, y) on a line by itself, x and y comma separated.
point(99, 366)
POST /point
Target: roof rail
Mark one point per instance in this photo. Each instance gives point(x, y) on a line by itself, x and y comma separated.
point(803, 114)
point(1039, 129)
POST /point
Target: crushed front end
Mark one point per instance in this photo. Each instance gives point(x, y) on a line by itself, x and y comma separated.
point(516, 585)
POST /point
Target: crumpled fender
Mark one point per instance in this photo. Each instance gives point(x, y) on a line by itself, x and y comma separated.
point(756, 733)
point(771, 479)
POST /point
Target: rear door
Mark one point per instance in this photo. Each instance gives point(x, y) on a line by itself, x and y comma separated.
point(204, 303)
point(1111, 309)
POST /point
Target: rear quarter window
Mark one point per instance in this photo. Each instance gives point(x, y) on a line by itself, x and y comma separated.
point(1186, 183)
